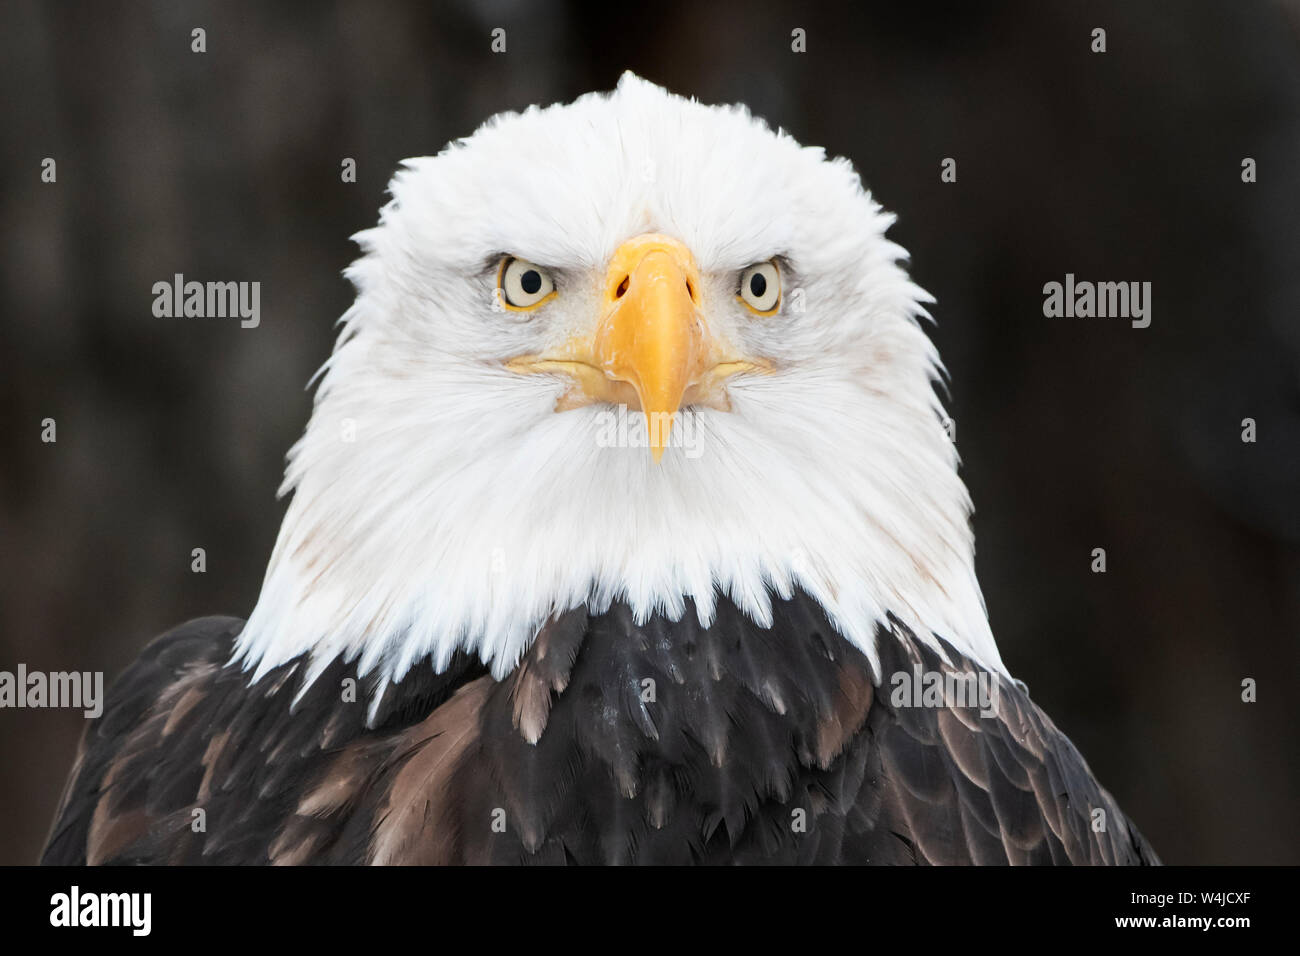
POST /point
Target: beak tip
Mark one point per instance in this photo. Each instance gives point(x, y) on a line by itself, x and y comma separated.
point(659, 425)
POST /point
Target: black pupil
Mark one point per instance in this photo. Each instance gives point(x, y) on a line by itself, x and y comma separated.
point(531, 281)
point(757, 285)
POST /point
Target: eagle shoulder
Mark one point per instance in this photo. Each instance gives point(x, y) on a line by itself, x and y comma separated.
point(192, 763)
point(960, 785)
point(105, 803)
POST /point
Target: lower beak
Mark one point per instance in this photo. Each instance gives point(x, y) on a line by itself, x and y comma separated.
point(652, 349)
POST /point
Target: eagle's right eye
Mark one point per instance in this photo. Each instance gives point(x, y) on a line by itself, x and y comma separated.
point(523, 286)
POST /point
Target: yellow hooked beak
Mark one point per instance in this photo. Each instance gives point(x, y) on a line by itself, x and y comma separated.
point(651, 350)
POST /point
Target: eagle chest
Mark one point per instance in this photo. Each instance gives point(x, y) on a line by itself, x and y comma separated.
point(663, 741)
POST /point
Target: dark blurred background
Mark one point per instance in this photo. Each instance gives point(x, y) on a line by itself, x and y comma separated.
point(1075, 433)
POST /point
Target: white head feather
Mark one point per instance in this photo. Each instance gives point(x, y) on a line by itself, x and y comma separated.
point(440, 500)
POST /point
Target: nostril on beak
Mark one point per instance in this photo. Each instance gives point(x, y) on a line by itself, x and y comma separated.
point(690, 290)
point(622, 288)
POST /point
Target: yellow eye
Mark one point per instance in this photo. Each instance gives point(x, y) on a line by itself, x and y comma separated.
point(760, 287)
point(523, 286)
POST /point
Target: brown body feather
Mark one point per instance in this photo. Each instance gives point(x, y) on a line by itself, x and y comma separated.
point(611, 742)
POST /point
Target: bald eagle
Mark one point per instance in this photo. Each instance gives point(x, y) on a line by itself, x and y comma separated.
point(624, 530)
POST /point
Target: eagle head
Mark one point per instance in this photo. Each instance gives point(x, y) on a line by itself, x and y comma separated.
point(631, 348)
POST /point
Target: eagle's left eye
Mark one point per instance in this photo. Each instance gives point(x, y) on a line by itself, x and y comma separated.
point(760, 287)
point(522, 285)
